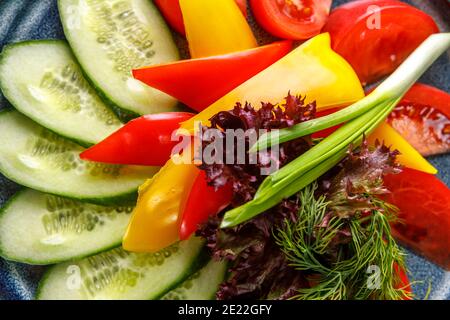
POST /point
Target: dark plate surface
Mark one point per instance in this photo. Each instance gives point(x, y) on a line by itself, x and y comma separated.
point(38, 19)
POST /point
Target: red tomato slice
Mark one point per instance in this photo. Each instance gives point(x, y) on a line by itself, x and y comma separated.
point(291, 19)
point(431, 96)
point(376, 36)
point(171, 11)
point(423, 118)
point(424, 203)
point(403, 282)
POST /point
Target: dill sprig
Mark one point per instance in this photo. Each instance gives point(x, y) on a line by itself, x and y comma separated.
point(340, 270)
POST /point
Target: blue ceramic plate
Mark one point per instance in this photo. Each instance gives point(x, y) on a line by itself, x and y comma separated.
point(38, 19)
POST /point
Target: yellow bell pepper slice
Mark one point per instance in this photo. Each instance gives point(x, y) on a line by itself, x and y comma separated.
point(313, 69)
point(215, 27)
point(409, 156)
point(155, 221)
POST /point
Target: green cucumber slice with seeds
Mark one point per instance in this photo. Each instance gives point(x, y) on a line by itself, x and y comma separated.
point(39, 159)
point(38, 228)
point(202, 285)
point(121, 275)
point(43, 81)
point(110, 38)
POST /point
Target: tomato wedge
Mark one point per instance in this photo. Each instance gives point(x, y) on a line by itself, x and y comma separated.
point(423, 118)
point(145, 141)
point(431, 96)
point(287, 19)
point(171, 11)
point(202, 202)
point(198, 83)
point(376, 36)
point(424, 203)
point(403, 282)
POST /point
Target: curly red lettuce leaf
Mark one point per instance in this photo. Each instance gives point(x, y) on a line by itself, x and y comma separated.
point(359, 181)
point(259, 268)
point(247, 177)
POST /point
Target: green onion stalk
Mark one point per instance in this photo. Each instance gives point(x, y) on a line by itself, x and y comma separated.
point(360, 119)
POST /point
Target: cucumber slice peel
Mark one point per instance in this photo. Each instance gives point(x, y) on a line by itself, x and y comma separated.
point(202, 285)
point(39, 159)
point(41, 229)
point(109, 39)
point(42, 80)
point(118, 274)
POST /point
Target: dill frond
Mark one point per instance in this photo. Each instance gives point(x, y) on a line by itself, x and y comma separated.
point(362, 266)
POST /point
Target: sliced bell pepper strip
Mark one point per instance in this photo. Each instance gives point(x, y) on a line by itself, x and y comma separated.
point(145, 141)
point(409, 156)
point(242, 6)
point(200, 82)
point(313, 69)
point(203, 201)
point(171, 11)
point(215, 27)
point(155, 221)
point(156, 218)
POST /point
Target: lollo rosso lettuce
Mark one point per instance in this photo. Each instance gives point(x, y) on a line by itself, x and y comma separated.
point(261, 267)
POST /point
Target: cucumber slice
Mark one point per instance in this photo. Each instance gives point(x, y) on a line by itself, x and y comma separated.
point(110, 38)
point(38, 228)
point(202, 285)
point(43, 81)
point(39, 159)
point(120, 275)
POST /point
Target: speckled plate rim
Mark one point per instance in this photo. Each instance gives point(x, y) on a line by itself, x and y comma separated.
point(29, 19)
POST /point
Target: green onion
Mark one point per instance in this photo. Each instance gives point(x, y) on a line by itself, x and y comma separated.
point(361, 119)
point(305, 169)
point(392, 88)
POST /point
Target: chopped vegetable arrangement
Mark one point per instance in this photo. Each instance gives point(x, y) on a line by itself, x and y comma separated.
point(244, 172)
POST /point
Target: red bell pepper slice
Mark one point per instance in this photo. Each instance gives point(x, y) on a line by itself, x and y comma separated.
point(144, 141)
point(200, 82)
point(424, 203)
point(325, 133)
point(171, 11)
point(203, 201)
